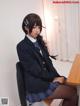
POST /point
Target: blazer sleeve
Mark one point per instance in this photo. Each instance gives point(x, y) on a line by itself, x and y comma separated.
point(31, 66)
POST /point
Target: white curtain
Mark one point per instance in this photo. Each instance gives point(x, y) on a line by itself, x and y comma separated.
point(62, 28)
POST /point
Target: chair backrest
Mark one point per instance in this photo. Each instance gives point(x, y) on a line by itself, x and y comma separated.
point(20, 83)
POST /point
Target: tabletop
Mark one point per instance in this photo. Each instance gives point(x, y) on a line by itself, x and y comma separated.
point(74, 75)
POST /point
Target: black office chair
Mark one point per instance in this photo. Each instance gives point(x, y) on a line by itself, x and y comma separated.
point(21, 85)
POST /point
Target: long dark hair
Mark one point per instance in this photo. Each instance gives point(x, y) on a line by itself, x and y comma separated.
point(41, 41)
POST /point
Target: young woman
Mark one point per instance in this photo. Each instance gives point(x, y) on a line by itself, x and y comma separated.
point(41, 78)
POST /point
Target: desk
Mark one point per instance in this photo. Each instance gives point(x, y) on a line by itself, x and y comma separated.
point(74, 75)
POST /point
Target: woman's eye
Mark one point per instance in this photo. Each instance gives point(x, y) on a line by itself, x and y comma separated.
point(39, 27)
point(36, 27)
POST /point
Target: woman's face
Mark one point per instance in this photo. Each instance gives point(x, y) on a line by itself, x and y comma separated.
point(35, 31)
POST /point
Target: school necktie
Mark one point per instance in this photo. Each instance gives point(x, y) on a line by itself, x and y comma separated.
point(36, 44)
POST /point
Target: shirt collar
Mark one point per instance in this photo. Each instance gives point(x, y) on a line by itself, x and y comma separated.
point(31, 38)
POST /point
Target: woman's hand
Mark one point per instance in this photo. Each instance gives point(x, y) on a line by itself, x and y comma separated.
point(59, 79)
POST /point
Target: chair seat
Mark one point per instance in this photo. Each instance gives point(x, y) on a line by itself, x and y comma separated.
point(47, 102)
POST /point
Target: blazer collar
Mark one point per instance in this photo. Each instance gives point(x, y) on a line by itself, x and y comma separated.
point(28, 41)
point(31, 38)
point(33, 49)
point(31, 45)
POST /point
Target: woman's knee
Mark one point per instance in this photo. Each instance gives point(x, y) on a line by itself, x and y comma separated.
point(65, 91)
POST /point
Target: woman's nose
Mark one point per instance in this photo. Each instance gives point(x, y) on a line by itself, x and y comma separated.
point(38, 30)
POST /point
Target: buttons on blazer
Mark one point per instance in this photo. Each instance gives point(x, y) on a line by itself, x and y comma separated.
point(44, 69)
point(44, 65)
point(43, 62)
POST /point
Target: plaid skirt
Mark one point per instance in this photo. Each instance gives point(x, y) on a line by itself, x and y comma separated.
point(42, 95)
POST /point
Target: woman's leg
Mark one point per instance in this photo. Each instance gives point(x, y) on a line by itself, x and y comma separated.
point(66, 92)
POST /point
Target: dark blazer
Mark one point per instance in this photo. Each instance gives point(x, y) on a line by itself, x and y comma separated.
point(38, 69)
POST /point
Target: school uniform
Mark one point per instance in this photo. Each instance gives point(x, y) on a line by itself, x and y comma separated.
point(38, 69)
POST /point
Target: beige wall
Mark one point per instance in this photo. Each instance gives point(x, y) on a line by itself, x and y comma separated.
point(11, 16)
